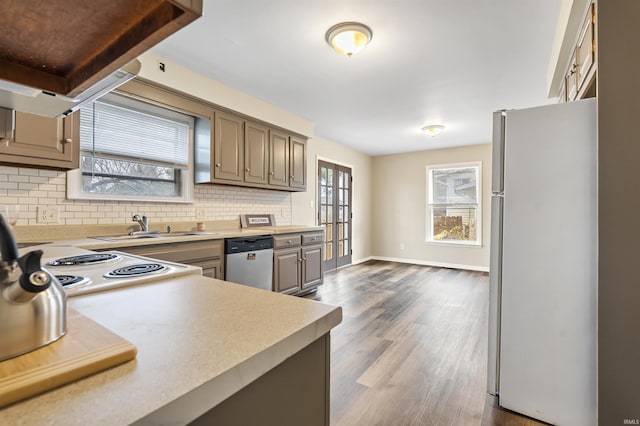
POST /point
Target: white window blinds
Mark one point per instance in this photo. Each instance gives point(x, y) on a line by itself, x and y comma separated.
point(112, 127)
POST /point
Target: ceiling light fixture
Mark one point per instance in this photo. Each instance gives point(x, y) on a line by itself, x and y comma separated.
point(433, 129)
point(348, 38)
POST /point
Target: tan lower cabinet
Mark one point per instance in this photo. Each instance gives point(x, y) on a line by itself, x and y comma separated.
point(297, 262)
point(286, 270)
point(43, 142)
point(205, 254)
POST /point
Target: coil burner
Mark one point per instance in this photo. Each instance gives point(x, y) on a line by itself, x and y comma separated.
point(135, 270)
point(85, 259)
point(70, 281)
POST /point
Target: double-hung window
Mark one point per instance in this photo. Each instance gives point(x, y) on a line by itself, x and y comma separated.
point(133, 150)
point(453, 206)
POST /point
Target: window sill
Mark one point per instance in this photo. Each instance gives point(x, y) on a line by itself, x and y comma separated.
point(477, 244)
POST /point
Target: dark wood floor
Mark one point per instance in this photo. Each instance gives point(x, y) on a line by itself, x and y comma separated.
point(412, 347)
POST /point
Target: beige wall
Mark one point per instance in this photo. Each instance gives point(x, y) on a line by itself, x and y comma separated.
point(303, 204)
point(399, 208)
point(185, 80)
point(618, 203)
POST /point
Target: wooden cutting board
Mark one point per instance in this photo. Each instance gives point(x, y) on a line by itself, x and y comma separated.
point(85, 349)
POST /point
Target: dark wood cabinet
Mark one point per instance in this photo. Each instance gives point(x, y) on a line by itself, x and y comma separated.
point(298, 265)
point(43, 142)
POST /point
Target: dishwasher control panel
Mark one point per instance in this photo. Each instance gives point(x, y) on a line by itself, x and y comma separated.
point(245, 244)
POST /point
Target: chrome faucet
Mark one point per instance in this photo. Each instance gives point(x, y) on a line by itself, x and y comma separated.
point(142, 221)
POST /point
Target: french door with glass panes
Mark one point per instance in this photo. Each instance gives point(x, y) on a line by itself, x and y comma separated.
point(334, 213)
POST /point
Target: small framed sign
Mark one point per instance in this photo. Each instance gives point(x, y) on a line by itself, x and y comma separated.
point(255, 220)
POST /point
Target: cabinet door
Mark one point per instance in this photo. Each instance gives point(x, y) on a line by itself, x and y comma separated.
point(286, 270)
point(212, 269)
point(311, 266)
point(278, 159)
point(228, 147)
point(585, 50)
point(298, 163)
point(571, 81)
point(43, 141)
point(256, 153)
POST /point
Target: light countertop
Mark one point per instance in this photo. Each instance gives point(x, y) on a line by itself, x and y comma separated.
point(107, 243)
point(199, 341)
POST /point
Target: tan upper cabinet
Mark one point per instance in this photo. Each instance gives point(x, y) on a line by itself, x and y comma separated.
point(298, 163)
point(256, 153)
point(579, 79)
point(228, 145)
point(43, 142)
point(585, 56)
point(279, 159)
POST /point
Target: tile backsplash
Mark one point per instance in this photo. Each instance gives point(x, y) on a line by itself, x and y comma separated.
point(31, 188)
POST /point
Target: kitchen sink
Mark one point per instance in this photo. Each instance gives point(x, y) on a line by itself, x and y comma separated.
point(129, 237)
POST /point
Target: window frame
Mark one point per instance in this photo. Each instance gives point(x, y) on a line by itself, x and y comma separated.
point(75, 190)
point(430, 205)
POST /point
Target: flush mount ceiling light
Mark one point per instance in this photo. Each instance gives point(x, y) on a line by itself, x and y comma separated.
point(348, 38)
point(433, 130)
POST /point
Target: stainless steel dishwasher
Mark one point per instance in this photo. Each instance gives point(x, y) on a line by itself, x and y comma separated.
point(249, 261)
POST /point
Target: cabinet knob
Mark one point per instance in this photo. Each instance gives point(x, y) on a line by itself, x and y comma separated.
point(246, 170)
point(217, 164)
point(288, 241)
point(271, 173)
point(290, 176)
point(67, 140)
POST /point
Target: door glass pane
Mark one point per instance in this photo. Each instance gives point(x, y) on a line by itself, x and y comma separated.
point(329, 251)
point(340, 196)
point(340, 214)
point(323, 214)
point(340, 231)
point(329, 214)
point(340, 249)
point(323, 176)
point(329, 195)
point(324, 253)
point(323, 195)
point(346, 230)
point(329, 231)
point(340, 179)
point(346, 247)
point(330, 176)
point(346, 213)
point(346, 196)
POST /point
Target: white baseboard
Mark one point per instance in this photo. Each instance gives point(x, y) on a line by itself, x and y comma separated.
point(364, 259)
point(429, 263)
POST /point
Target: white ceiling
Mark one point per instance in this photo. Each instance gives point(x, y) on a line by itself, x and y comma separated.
point(450, 62)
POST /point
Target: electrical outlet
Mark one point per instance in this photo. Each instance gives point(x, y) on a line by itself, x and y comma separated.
point(48, 215)
point(200, 214)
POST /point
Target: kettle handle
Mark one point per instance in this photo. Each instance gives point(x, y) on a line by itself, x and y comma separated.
point(8, 247)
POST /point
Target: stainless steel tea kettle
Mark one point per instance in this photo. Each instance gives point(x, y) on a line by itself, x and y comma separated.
point(33, 304)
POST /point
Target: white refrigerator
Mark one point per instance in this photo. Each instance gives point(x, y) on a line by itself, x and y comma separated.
point(543, 268)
